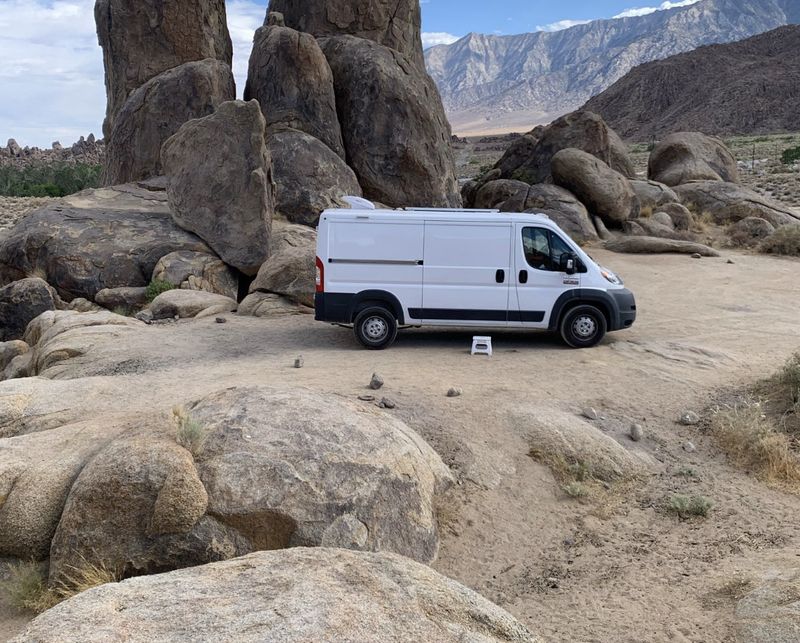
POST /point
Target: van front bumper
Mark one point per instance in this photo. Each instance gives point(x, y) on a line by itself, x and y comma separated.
point(625, 309)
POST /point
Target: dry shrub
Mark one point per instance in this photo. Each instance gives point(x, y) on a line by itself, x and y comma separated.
point(703, 221)
point(685, 506)
point(27, 587)
point(750, 439)
point(191, 435)
point(646, 212)
point(784, 241)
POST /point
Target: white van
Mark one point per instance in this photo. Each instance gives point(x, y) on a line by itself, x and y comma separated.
point(381, 269)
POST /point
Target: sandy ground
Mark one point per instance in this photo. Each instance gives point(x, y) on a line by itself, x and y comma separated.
point(614, 568)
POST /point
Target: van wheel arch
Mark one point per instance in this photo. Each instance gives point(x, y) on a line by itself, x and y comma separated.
point(369, 298)
point(582, 297)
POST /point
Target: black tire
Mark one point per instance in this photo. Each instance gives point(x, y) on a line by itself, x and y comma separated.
point(583, 326)
point(375, 328)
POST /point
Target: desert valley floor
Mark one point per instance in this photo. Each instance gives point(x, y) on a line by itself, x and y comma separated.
point(611, 567)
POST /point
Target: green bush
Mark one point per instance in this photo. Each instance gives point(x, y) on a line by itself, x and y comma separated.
point(156, 287)
point(54, 180)
point(791, 156)
point(685, 506)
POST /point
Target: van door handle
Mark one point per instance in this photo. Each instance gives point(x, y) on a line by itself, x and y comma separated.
point(500, 276)
point(523, 276)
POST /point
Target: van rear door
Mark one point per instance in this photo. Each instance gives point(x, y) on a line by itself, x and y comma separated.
point(377, 256)
point(466, 274)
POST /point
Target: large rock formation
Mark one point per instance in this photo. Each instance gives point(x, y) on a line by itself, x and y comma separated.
point(309, 177)
point(289, 271)
point(729, 203)
point(156, 110)
point(313, 463)
point(197, 271)
point(299, 594)
point(20, 302)
point(395, 130)
point(528, 159)
point(558, 204)
point(603, 191)
point(144, 38)
point(291, 79)
point(96, 239)
point(220, 183)
point(275, 468)
point(394, 24)
point(691, 156)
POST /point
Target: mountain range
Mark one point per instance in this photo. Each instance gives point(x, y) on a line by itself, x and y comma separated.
point(746, 87)
point(493, 84)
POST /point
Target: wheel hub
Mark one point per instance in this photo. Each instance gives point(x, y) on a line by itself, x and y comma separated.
point(584, 326)
point(375, 328)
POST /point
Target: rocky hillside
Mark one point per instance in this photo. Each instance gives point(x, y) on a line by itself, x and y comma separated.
point(85, 150)
point(747, 87)
point(502, 83)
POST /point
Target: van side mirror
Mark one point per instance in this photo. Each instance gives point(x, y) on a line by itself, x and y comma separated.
point(567, 263)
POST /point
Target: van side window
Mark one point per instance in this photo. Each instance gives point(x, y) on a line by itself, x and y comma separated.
point(536, 244)
point(543, 249)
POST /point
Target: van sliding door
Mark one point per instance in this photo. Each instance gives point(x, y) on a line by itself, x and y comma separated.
point(466, 274)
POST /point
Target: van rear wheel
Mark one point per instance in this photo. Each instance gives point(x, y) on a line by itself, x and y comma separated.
point(583, 327)
point(375, 328)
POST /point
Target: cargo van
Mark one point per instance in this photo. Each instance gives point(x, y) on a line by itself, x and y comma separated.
point(379, 270)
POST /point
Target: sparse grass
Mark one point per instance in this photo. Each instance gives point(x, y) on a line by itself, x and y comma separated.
point(686, 506)
point(157, 287)
point(703, 222)
point(784, 241)
point(191, 435)
point(687, 472)
point(26, 588)
point(575, 490)
point(790, 156)
point(646, 212)
point(750, 439)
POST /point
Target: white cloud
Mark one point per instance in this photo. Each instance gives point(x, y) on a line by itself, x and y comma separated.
point(244, 17)
point(51, 77)
point(643, 11)
point(560, 25)
point(431, 38)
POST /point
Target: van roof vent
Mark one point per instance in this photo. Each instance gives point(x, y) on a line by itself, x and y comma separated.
point(357, 203)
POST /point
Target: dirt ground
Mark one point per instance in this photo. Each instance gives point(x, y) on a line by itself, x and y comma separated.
point(616, 567)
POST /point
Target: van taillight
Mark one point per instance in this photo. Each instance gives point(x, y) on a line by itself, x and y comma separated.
point(320, 276)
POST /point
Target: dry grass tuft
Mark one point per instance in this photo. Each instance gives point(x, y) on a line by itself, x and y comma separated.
point(28, 591)
point(685, 506)
point(26, 588)
point(191, 435)
point(784, 241)
point(703, 222)
point(646, 212)
point(750, 439)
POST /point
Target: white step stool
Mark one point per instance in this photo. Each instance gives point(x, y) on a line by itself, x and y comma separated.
point(482, 346)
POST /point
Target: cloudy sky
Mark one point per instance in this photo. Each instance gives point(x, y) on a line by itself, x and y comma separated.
point(51, 76)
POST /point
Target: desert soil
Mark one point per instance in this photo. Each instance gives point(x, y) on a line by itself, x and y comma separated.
point(615, 567)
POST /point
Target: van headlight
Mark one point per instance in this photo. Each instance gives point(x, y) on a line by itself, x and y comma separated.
point(611, 277)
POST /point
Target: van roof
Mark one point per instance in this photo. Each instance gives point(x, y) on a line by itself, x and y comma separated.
point(431, 214)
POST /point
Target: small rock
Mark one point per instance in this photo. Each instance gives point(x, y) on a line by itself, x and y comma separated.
point(454, 392)
point(145, 316)
point(221, 320)
point(636, 432)
point(376, 382)
point(366, 398)
point(697, 255)
point(731, 261)
point(299, 361)
point(689, 418)
point(387, 403)
point(590, 413)
point(689, 447)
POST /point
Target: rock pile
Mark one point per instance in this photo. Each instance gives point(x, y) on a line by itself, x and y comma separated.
point(86, 150)
point(577, 171)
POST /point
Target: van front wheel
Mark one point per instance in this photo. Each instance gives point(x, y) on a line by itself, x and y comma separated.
point(375, 328)
point(583, 327)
